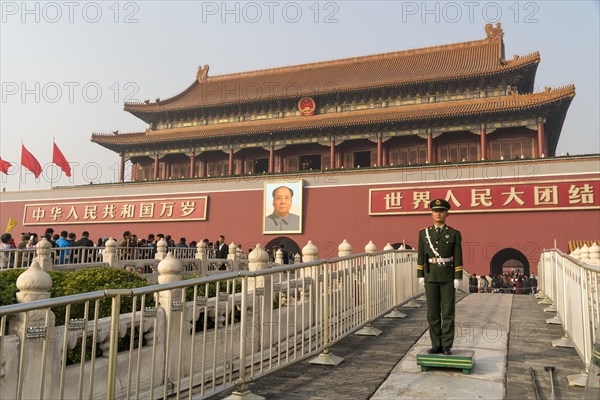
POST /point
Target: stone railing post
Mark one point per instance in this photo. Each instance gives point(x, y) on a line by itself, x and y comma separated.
point(344, 249)
point(42, 254)
point(279, 257)
point(576, 254)
point(297, 258)
point(584, 254)
point(369, 330)
point(201, 255)
point(310, 252)
point(595, 254)
point(258, 259)
point(171, 303)
point(396, 282)
point(161, 249)
point(232, 255)
point(370, 247)
point(35, 284)
point(110, 253)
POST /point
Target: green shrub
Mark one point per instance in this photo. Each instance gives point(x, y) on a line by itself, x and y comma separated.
point(65, 283)
point(8, 286)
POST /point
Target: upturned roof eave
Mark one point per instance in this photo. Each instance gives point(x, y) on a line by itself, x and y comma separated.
point(144, 111)
point(369, 117)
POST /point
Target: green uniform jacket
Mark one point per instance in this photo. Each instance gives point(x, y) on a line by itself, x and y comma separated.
point(447, 244)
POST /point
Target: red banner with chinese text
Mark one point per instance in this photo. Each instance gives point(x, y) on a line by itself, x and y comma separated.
point(117, 211)
point(495, 197)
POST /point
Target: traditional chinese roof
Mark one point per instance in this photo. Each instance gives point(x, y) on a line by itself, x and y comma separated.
point(482, 107)
point(452, 62)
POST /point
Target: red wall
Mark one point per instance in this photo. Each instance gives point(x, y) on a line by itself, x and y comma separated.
point(332, 214)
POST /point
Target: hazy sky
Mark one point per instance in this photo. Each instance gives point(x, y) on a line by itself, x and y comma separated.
point(68, 67)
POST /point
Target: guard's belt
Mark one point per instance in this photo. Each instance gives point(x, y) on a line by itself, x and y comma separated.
point(440, 260)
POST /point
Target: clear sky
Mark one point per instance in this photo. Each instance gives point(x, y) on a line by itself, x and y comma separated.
point(68, 67)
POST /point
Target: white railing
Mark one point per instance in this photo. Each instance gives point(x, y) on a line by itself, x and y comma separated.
point(22, 258)
point(195, 338)
point(573, 287)
point(138, 259)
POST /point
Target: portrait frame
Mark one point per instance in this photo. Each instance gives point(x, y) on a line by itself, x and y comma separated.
point(272, 223)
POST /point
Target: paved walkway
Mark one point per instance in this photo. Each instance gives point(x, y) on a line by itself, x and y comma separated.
point(482, 323)
point(384, 367)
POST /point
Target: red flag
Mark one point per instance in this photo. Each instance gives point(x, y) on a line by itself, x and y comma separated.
point(30, 162)
point(59, 159)
point(4, 166)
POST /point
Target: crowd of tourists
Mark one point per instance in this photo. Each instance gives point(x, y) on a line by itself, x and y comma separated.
point(513, 282)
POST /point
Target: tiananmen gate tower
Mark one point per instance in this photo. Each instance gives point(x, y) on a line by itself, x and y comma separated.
point(364, 143)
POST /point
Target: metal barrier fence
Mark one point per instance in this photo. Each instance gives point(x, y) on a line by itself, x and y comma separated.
point(572, 289)
point(70, 258)
point(22, 258)
point(195, 338)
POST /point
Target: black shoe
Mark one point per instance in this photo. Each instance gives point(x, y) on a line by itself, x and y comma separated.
point(434, 350)
point(447, 351)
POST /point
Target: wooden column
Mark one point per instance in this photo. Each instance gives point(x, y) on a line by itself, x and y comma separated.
point(386, 153)
point(134, 171)
point(332, 154)
point(156, 161)
point(168, 169)
point(122, 169)
point(202, 168)
point(240, 168)
point(230, 169)
point(429, 148)
point(483, 150)
point(271, 159)
point(192, 164)
point(379, 150)
point(541, 139)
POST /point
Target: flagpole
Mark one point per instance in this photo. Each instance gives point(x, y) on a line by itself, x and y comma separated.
point(21, 165)
point(52, 164)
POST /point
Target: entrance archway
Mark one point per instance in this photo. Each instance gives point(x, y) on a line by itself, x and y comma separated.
point(507, 260)
point(396, 246)
point(288, 245)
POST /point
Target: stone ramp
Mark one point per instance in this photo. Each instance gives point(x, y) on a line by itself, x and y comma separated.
point(368, 361)
point(507, 332)
point(529, 346)
point(482, 325)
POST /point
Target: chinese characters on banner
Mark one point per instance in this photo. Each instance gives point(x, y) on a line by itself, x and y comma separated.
point(538, 196)
point(89, 212)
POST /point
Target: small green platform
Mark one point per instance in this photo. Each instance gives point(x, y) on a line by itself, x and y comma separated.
point(461, 359)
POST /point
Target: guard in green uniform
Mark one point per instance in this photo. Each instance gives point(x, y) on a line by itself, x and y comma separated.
point(440, 270)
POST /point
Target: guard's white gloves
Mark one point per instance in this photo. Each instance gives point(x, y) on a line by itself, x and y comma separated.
point(456, 283)
point(422, 282)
